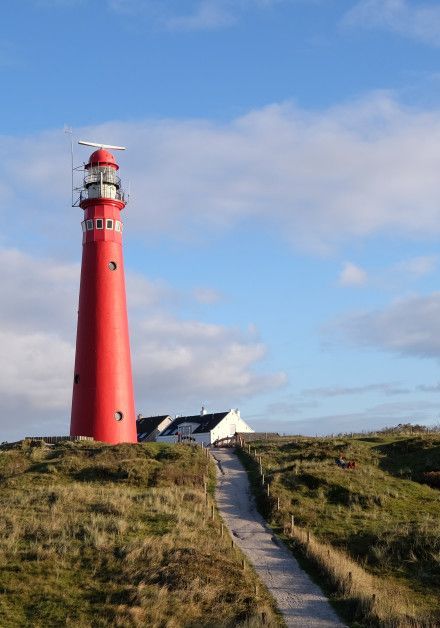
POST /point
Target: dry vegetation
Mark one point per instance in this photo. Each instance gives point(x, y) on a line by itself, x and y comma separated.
point(372, 534)
point(92, 535)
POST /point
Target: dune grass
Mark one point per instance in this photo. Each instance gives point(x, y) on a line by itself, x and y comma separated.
point(372, 533)
point(93, 535)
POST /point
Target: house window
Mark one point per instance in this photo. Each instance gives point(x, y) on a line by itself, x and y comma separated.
point(89, 225)
point(118, 226)
point(109, 224)
point(100, 223)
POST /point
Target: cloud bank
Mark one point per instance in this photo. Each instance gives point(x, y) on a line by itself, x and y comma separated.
point(319, 179)
point(407, 327)
point(177, 363)
point(416, 20)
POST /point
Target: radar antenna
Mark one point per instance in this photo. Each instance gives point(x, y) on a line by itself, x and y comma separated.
point(98, 145)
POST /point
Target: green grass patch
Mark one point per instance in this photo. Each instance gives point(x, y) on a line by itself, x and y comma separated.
point(94, 535)
point(379, 515)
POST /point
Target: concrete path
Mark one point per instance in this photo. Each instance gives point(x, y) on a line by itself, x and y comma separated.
point(301, 602)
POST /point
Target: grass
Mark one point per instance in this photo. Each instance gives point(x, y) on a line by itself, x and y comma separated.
point(373, 532)
point(93, 535)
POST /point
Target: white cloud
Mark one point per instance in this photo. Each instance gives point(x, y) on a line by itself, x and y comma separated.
point(196, 15)
point(177, 363)
point(185, 362)
point(208, 14)
point(417, 266)
point(417, 20)
point(352, 275)
point(36, 373)
point(324, 178)
point(408, 327)
point(394, 278)
point(371, 418)
point(206, 296)
point(386, 388)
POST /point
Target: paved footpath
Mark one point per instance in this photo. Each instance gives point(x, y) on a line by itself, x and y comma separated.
point(300, 600)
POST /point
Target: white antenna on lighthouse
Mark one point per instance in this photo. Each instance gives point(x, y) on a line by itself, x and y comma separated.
point(98, 145)
point(69, 131)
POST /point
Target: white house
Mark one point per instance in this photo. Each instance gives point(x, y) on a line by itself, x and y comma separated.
point(204, 427)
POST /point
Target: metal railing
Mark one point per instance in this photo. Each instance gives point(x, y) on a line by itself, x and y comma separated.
point(119, 194)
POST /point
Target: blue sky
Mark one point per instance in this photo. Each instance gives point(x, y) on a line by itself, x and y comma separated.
point(281, 242)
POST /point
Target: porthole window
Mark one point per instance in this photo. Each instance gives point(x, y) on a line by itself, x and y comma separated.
point(89, 225)
point(109, 224)
point(117, 226)
point(83, 226)
point(112, 265)
point(100, 223)
point(119, 415)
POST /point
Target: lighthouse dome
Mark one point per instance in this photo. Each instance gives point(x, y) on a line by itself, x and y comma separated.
point(102, 157)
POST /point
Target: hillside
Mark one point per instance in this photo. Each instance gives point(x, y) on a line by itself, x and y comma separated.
point(371, 534)
point(93, 535)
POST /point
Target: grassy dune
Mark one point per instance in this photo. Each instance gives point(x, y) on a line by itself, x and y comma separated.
point(92, 535)
point(372, 533)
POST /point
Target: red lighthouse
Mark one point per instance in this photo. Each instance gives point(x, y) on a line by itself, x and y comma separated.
point(102, 401)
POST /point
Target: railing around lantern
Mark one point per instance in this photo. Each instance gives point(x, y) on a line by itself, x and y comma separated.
point(117, 194)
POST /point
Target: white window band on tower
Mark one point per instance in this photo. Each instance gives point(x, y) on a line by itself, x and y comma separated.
point(99, 223)
point(118, 226)
point(109, 223)
point(89, 225)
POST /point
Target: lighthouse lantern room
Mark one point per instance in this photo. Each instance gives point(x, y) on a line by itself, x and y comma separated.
point(102, 400)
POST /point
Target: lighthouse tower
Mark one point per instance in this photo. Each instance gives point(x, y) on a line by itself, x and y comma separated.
point(102, 402)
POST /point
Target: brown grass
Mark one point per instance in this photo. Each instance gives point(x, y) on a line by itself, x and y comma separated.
point(95, 536)
point(374, 600)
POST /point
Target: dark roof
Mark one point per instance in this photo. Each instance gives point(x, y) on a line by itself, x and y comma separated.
point(147, 424)
point(207, 422)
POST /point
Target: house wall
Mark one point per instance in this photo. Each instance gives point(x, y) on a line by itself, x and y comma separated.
point(231, 423)
point(227, 427)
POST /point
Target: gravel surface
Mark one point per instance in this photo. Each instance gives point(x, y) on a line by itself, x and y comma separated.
point(300, 600)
